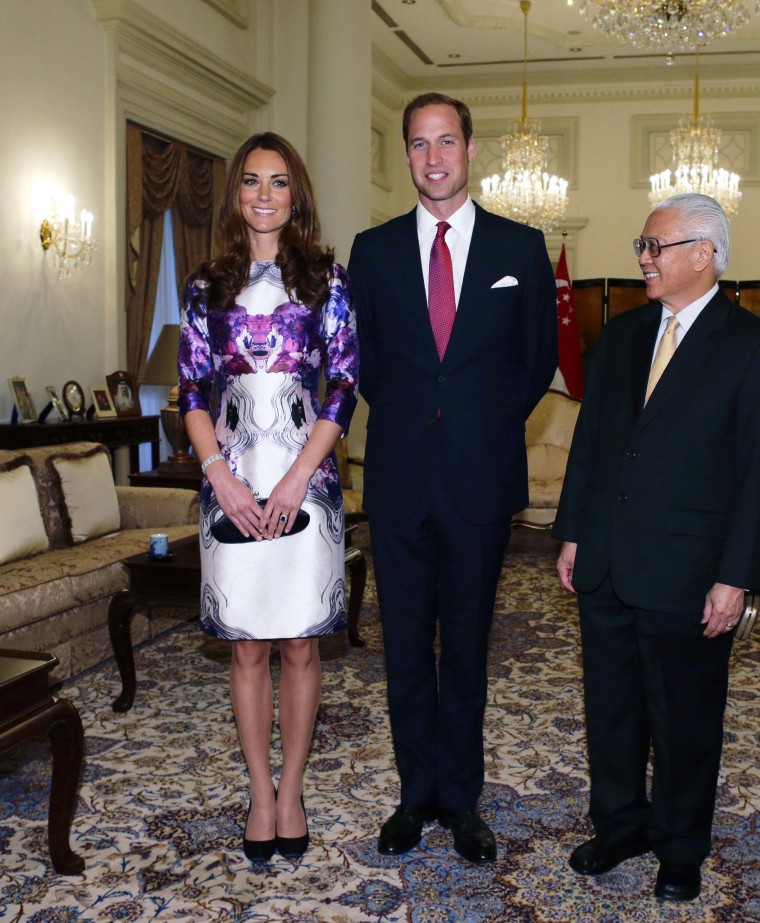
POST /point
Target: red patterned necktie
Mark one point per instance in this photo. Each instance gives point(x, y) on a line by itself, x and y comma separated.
point(441, 300)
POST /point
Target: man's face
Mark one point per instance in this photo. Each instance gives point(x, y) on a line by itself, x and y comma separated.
point(678, 275)
point(439, 158)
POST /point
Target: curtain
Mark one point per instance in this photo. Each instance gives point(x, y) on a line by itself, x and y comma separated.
point(163, 175)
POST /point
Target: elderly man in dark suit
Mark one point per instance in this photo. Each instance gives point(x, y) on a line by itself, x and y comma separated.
point(660, 522)
point(457, 322)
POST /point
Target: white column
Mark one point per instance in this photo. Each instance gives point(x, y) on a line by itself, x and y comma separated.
point(339, 118)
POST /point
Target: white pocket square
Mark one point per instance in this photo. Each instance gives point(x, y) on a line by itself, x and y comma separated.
point(505, 282)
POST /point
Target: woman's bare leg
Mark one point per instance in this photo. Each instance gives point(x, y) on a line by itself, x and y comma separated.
point(300, 691)
point(251, 690)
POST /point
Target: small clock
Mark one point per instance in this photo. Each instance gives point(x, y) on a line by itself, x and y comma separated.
point(73, 398)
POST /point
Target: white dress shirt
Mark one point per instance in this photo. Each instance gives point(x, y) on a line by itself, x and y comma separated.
point(458, 239)
point(686, 317)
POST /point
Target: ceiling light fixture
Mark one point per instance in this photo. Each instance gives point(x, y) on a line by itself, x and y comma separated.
point(526, 192)
point(696, 145)
point(674, 25)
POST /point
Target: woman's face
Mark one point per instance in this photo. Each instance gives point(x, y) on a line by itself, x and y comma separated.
point(265, 201)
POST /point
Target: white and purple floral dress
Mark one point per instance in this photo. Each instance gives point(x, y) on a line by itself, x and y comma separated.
point(267, 355)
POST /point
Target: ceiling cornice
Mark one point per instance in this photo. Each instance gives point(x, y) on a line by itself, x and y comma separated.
point(572, 84)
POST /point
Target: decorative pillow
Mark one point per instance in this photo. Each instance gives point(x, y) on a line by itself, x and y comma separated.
point(22, 531)
point(89, 494)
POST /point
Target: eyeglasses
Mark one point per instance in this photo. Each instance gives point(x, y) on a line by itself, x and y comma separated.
point(653, 246)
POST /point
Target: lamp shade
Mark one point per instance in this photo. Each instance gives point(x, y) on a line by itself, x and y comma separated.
point(161, 367)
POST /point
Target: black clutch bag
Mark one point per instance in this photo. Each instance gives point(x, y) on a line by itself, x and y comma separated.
point(227, 532)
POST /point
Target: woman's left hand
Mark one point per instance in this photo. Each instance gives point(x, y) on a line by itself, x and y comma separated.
point(283, 504)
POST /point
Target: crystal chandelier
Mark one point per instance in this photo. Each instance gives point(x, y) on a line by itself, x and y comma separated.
point(526, 192)
point(696, 143)
point(674, 25)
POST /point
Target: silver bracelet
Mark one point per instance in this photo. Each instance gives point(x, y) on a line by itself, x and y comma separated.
point(210, 461)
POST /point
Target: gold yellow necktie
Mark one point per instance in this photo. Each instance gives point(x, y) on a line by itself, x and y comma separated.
point(665, 349)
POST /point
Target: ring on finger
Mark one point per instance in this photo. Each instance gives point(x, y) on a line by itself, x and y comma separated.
point(283, 517)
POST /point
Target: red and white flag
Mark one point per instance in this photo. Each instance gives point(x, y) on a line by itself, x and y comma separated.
point(569, 377)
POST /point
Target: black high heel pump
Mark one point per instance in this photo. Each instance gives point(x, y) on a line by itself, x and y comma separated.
point(293, 847)
point(258, 850)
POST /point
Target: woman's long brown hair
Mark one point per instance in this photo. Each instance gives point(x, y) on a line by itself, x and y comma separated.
point(305, 265)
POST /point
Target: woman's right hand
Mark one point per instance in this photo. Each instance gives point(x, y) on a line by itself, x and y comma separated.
point(235, 499)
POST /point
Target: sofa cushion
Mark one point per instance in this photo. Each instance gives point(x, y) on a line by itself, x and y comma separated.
point(546, 463)
point(22, 531)
point(90, 506)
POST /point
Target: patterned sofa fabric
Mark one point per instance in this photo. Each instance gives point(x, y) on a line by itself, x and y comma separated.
point(57, 600)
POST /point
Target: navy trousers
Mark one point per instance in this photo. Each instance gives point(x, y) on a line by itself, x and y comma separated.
point(437, 571)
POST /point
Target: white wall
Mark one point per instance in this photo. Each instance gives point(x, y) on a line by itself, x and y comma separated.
point(52, 63)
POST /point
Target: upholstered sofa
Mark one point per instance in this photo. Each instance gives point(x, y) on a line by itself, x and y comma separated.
point(548, 435)
point(65, 529)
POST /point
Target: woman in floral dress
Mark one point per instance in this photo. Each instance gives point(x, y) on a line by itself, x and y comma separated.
point(262, 322)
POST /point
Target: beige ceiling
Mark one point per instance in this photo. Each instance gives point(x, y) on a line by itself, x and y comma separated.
point(462, 43)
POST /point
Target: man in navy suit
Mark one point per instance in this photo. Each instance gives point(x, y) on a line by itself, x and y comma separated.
point(660, 522)
point(445, 465)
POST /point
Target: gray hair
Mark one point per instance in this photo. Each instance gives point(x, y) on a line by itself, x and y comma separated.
point(703, 217)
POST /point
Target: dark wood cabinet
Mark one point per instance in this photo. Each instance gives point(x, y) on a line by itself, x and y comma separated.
point(122, 431)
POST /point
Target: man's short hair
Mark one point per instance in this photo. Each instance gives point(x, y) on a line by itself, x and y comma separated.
point(702, 216)
point(437, 99)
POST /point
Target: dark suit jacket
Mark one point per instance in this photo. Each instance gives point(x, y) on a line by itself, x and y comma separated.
point(667, 498)
point(499, 362)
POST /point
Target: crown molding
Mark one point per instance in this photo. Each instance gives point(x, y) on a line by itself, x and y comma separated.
point(570, 83)
point(235, 10)
point(152, 43)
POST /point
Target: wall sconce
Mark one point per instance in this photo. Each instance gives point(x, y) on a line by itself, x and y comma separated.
point(72, 241)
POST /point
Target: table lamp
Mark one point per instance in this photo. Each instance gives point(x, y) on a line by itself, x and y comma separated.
point(161, 369)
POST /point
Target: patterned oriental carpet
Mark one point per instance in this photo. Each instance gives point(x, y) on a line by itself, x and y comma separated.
point(163, 795)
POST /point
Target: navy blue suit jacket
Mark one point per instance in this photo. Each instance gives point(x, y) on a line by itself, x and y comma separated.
point(500, 360)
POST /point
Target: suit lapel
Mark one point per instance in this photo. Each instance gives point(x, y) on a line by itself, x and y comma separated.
point(475, 272)
point(696, 346)
point(642, 346)
point(405, 257)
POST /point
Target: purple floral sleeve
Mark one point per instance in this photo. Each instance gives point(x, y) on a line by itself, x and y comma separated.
point(341, 352)
point(194, 361)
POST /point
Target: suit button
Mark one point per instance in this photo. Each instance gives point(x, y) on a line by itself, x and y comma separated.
point(631, 454)
point(441, 378)
point(623, 498)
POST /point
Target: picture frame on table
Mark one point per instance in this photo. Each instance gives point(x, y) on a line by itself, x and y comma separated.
point(22, 400)
point(122, 386)
point(58, 405)
point(101, 400)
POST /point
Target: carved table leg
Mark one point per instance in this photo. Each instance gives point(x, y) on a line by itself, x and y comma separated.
point(120, 614)
point(357, 567)
point(67, 742)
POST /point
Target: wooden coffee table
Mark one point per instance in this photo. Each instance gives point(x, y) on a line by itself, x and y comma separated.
point(172, 581)
point(28, 710)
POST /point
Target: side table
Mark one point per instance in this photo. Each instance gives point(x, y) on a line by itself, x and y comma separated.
point(28, 710)
point(175, 580)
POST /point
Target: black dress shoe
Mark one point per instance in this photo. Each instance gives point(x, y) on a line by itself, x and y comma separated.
point(257, 850)
point(678, 882)
point(473, 838)
point(403, 830)
point(293, 847)
point(598, 855)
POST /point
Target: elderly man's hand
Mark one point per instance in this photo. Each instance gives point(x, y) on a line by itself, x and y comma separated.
point(723, 608)
point(566, 563)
